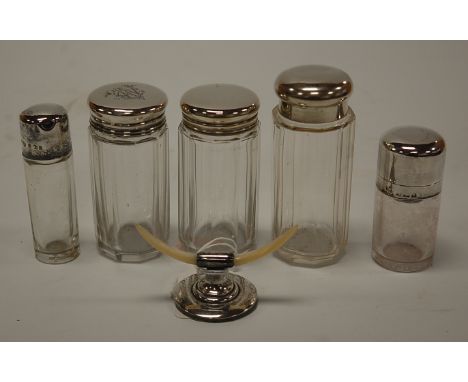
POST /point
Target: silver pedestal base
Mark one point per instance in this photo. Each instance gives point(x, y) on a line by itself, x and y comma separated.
point(215, 296)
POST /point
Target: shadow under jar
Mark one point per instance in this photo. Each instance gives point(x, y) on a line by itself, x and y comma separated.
point(409, 182)
point(218, 164)
point(129, 167)
point(313, 152)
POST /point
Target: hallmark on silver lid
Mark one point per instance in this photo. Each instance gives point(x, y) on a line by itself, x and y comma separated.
point(127, 109)
point(220, 109)
point(45, 132)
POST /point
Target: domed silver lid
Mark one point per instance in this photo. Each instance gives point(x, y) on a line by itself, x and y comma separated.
point(44, 132)
point(127, 108)
point(220, 109)
point(411, 156)
point(313, 93)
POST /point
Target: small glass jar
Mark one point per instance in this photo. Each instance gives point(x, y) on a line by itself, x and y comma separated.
point(129, 167)
point(218, 165)
point(313, 152)
point(48, 165)
point(409, 180)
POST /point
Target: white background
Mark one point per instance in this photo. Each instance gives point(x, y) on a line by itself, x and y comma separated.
point(93, 298)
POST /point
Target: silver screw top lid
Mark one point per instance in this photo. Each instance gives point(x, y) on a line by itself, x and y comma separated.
point(127, 108)
point(45, 133)
point(220, 109)
point(313, 93)
point(411, 156)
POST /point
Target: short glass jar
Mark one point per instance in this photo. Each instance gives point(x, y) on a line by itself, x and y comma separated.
point(313, 156)
point(218, 165)
point(407, 200)
point(129, 167)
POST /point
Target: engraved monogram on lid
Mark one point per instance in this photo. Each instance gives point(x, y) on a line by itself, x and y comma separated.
point(126, 91)
point(127, 109)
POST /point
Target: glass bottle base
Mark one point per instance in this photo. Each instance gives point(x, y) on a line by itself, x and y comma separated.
point(308, 260)
point(312, 246)
point(58, 252)
point(398, 252)
point(126, 257)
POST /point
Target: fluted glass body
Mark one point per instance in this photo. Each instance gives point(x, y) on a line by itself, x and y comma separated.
point(52, 206)
point(404, 232)
point(130, 186)
point(312, 177)
point(217, 187)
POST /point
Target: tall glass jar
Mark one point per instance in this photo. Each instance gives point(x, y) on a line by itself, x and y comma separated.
point(218, 165)
point(50, 181)
point(313, 152)
point(129, 167)
point(409, 182)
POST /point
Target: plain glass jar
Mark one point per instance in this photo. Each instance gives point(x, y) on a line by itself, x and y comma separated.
point(407, 200)
point(218, 165)
point(50, 181)
point(313, 153)
point(129, 166)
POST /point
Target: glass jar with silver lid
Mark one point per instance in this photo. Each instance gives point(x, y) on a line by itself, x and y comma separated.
point(50, 181)
point(129, 166)
point(313, 153)
point(409, 181)
point(218, 165)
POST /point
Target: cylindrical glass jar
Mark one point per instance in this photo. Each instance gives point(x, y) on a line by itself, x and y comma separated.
point(129, 166)
point(313, 152)
point(409, 181)
point(218, 165)
point(48, 164)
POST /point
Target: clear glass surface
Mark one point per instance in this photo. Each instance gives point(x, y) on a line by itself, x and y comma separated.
point(404, 232)
point(312, 177)
point(217, 187)
point(52, 206)
point(130, 186)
